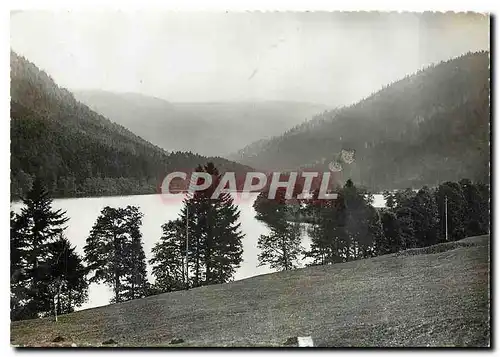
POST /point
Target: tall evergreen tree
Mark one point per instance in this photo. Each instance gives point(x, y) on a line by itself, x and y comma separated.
point(67, 281)
point(136, 283)
point(104, 250)
point(227, 246)
point(47, 276)
point(18, 298)
point(37, 226)
point(425, 217)
point(168, 259)
point(217, 234)
point(17, 246)
point(114, 253)
point(281, 250)
point(329, 240)
point(406, 224)
point(214, 236)
point(403, 208)
point(362, 223)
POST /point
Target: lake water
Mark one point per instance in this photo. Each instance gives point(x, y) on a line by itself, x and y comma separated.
point(83, 213)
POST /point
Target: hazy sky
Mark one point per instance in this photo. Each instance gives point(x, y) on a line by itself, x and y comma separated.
point(330, 58)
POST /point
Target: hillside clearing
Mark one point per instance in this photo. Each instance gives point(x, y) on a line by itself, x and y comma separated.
point(429, 298)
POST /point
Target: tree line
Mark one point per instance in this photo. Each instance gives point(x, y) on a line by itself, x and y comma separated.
point(201, 247)
point(350, 228)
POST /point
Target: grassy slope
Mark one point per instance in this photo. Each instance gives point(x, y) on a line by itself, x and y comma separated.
point(417, 299)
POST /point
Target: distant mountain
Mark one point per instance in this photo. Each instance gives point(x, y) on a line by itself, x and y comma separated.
point(255, 148)
point(205, 128)
point(76, 151)
point(423, 129)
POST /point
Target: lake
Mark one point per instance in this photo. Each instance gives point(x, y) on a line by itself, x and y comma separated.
point(83, 213)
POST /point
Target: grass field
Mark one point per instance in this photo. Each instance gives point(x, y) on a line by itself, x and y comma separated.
point(429, 297)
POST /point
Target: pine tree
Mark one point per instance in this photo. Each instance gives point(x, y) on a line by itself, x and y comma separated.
point(425, 217)
point(67, 281)
point(215, 247)
point(362, 225)
point(104, 250)
point(114, 253)
point(18, 296)
point(17, 245)
point(403, 209)
point(271, 211)
point(168, 259)
point(328, 235)
point(37, 226)
point(227, 247)
point(135, 284)
point(406, 227)
point(281, 250)
point(214, 237)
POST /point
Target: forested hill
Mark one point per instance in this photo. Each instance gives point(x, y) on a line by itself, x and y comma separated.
point(217, 128)
point(426, 128)
point(76, 151)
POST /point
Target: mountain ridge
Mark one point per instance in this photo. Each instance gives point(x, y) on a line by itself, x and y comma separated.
point(78, 152)
point(211, 128)
point(404, 135)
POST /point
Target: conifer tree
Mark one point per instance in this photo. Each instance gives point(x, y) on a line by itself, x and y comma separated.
point(215, 247)
point(362, 224)
point(214, 235)
point(135, 284)
point(227, 245)
point(18, 287)
point(281, 250)
point(35, 243)
point(425, 217)
point(328, 235)
point(67, 281)
point(168, 259)
point(114, 252)
point(403, 209)
point(39, 225)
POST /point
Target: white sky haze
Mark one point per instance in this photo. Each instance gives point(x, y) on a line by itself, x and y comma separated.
point(321, 57)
